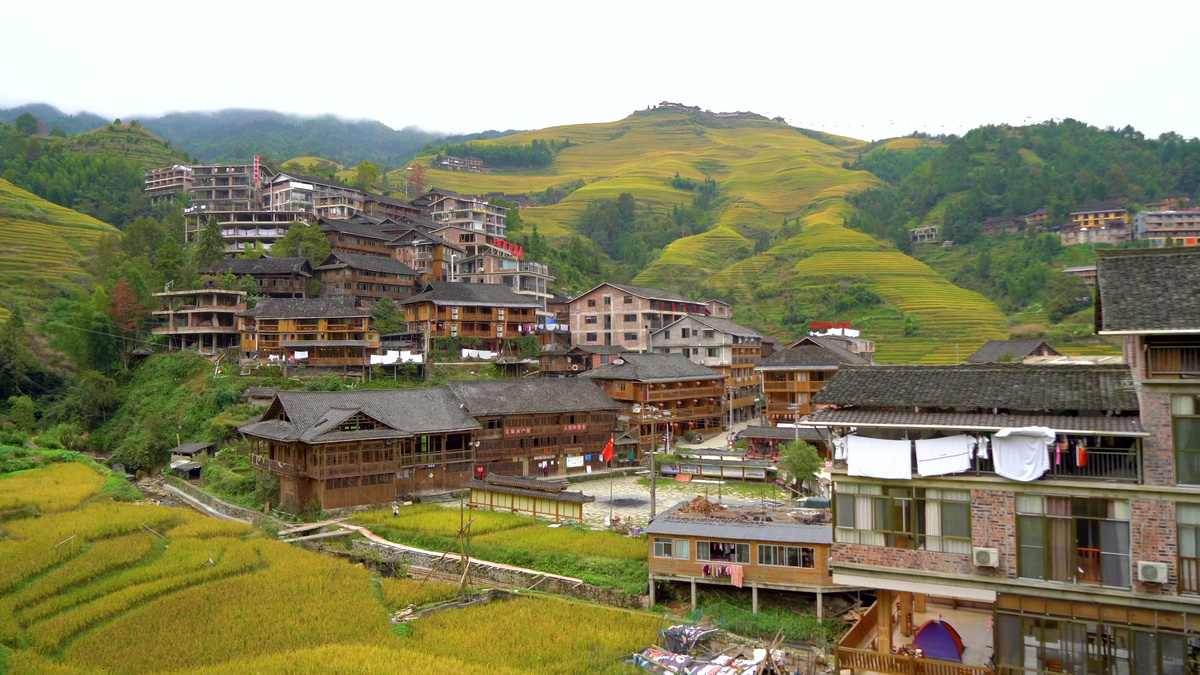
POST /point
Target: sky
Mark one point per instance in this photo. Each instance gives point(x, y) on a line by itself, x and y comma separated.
point(862, 69)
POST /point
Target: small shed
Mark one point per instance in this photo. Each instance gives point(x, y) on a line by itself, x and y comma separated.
point(549, 499)
point(188, 452)
point(186, 469)
point(259, 396)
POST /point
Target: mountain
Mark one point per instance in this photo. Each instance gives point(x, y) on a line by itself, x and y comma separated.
point(53, 117)
point(131, 142)
point(45, 246)
point(779, 276)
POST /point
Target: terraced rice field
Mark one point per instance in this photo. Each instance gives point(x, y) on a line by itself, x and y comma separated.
point(45, 245)
point(102, 587)
point(767, 171)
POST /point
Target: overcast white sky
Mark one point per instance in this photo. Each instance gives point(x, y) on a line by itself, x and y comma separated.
point(862, 69)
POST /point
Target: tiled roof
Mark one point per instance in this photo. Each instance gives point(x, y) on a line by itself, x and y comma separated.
point(263, 265)
point(672, 523)
point(646, 292)
point(463, 294)
point(1100, 206)
point(358, 261)
point(653, 368)
point(1014, 386)
point(533, 396)
point(191, 448)
point(600, 349)
point(724, 326)
point(417, 236)
point(1128, 425)
point(409, 411)
point(995, 220)
point(576, 497)
point(1148, 290)
point(358, 229)
point(305, 308)
point(783, 433)
point(812, 352)
point(992, 350)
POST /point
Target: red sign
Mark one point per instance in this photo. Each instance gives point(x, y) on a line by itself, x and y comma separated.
point(256, 169)
point(827, 325)
point(575, 427)
point(511, 432)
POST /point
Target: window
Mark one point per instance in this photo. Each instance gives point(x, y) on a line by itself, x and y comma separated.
point(589, 319)
point(723, 551)
point(590, 337)
point(627, 300)
point(708, 334)
point(631, 337)
point(787, 556)
point(912, 518)
point(1073, 540)
point(667, 334)
point(592, 302)
point(630, 318)
point(712, 352)
point(663, 548)
point(608, 300)
point(685, 333)
point(1186, 427)
point(1188, 518)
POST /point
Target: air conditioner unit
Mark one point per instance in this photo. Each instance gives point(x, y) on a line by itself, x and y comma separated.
point(1151, 572)
point(985, 557)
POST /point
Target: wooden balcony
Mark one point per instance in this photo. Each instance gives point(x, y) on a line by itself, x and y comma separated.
point(792, 385)
point(340, 470)
point(277, 467)
point(686, 392)
point(1173, 362)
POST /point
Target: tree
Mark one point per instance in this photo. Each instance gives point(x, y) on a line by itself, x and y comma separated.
point(366, 174)
point(1065, 294)
point(800, 460)
point(58, 132)
point(127, 315)
point(26, 124)
point(416, 178)
point(387, 317)
point(210, 246)
point(307, 241)
point(22, 412)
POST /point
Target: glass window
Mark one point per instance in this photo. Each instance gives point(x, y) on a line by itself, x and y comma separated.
point(628, 300)
point(723, 551)
point(663, 548)
point(928, 520)
point(709, 333)
point(787, 556)
point(682, 549)
point(1187, 517)
point(1073, 540)
point(713, 351)
point(1186, 435)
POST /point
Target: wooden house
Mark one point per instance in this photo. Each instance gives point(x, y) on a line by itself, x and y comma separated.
point(367, 278)
point(275, 277)
point(661, 391)
point(998, 351)
point(489, 311)
point(321, 332)
point(538, 498)
point(577, 359)
point(358, 234)
point(789, 378)
point(702, 542)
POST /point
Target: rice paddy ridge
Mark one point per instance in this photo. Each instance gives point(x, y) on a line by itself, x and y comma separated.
point(45, 245)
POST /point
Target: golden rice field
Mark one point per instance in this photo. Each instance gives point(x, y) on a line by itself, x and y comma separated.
point(569, 539)
point(142, 588)
point(442, 521)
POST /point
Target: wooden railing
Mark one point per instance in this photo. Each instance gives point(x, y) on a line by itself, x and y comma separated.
point(1088, 565)
point(686, 392)
point(861, 632)
point(275, 466)
point(1174, 362)
point(868, 661)
point(339, 470)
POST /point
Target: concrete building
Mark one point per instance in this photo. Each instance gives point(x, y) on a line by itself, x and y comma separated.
point(448, 208)
point(623, 315)
point(724, 346)
point(164, 182)
point(201, 320)
point(1163, 228)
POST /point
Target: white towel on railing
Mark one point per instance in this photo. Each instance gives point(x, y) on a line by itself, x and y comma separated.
point(878, 458)
point(941, 456)
point(1022, 454)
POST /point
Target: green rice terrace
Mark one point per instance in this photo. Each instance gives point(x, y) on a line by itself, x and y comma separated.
point(45, 245)
point(766, 172)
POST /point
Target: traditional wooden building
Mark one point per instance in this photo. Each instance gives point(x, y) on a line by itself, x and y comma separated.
point(356, 235)
point(537, 426)
point(430, 256)
point(320, 332)
point(367, 278)
point(352, 448)
point(489, 311)
point(702, 542)
point(537, 498)
point(661, 391)
point(275, 277)
point(571, 362)
point(203, 320)
point(999, 351)
point(388, 207)
point(789, 378)
point(720, 344)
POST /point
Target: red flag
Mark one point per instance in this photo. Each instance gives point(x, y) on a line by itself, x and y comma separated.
point(606, 455)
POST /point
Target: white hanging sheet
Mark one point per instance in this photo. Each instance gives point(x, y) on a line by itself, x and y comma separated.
point(878, 458)
point(942, 456)
point(1022, 454)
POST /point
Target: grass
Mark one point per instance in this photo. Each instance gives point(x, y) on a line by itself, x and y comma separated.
point(133, 143)
point(220, 598)
point(62, 487)
point(440, 521)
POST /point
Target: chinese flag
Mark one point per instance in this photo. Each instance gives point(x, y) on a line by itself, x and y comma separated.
point(608, 449)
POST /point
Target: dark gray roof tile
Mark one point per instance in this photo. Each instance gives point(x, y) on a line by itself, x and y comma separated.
point(463, 294)
point(305, 308)
point(263, 265)
point(993, 350)
point(1126, 425)
point(1148, 290)
point(653, 368)
point(532, 396)
point(358, 261)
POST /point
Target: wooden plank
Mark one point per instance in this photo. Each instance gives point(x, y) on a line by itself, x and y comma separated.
point(323, 535)
point(310, 526)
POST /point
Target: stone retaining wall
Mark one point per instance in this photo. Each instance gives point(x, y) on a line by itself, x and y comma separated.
point(504, 576)
point(218, 505)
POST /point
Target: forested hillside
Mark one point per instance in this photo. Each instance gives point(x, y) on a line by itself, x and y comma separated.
point(1002, 170)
